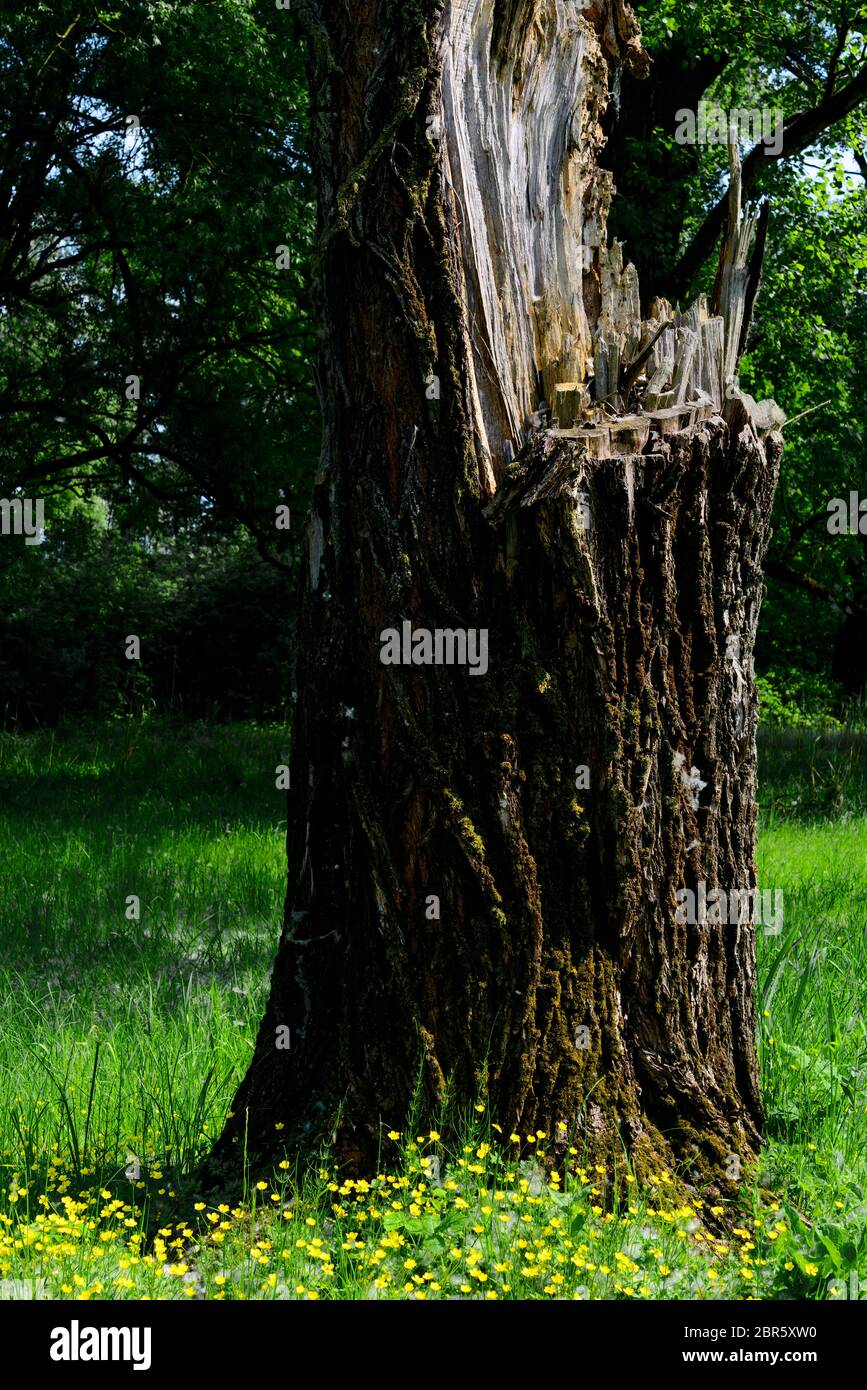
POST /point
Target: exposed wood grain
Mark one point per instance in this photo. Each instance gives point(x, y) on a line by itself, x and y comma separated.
point(548, 301)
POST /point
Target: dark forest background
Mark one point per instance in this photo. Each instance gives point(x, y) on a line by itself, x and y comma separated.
point(158, 338)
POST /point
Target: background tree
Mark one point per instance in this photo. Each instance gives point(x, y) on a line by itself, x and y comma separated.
point(809, 61)
point(160, 247)
point(155, 392)
point(154, 211)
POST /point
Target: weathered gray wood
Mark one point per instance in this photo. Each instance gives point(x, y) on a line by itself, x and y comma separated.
point(755, 276)
point(630, 433)
point(681, 381)
point(528, 280)
point(620, 318)
point(703, 407)
point(601, 384)
point(633, 373)
point(672, 420)
point(661, 361)
point(518, 161)
point(763, 416)
point(596, 440)
point(571, 400)
point(708, 377)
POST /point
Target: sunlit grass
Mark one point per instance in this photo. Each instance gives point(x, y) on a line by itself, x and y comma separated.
point(123, 1038)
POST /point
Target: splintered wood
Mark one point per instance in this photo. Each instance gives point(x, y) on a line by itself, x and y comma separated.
point(554, 334)
point(672, 369)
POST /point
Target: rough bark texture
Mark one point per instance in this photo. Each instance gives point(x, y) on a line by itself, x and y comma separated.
point(613, 565)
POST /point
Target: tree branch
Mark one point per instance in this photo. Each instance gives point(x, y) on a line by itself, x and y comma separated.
point(776, 569)
point(800, 132)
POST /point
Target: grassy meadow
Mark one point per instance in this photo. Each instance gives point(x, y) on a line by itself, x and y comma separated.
point(124, 1027)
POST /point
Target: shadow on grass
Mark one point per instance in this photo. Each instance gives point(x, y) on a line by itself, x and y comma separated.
point(812, 774)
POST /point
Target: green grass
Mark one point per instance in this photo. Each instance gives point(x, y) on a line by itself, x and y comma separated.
point(116, 1028)
point(122, 1041)
point(813, 978)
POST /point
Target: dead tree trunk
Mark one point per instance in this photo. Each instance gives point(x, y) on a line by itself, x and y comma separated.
point(509, 450)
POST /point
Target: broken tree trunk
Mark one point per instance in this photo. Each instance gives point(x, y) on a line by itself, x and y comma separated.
point(485, 860)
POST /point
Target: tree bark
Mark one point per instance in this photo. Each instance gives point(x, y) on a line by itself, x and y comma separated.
point(616, 568)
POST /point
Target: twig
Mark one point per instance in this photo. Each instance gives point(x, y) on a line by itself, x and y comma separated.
point(803, 413)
